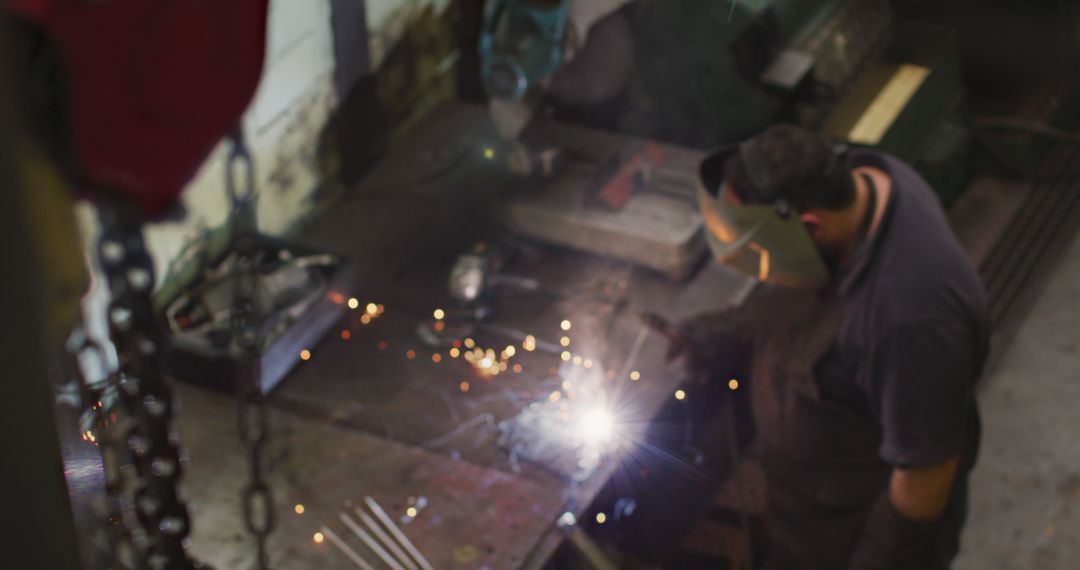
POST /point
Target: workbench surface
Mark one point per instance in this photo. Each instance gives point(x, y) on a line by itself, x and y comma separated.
point(373, 413)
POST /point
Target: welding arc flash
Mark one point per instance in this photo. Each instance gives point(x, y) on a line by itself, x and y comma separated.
point(597, 425)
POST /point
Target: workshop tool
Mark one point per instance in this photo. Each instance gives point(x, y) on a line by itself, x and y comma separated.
point(394, 530)
point(619, 178)
point(386, 540)
point(345, 549)
point(301, 294)
point(370, 542)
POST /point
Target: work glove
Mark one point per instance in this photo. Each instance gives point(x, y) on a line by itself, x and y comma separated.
point(716, 346)
point(891, 541)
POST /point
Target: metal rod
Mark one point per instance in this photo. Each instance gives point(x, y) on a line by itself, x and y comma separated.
point(394, 530)
point(346, 549)
point(386, 540)
point(631, 358)
point(370, 542)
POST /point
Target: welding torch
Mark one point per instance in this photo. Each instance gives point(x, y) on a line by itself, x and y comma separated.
point(702, 341)
point(680, 342)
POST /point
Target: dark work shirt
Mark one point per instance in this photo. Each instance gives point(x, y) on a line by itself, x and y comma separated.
point(914, 333)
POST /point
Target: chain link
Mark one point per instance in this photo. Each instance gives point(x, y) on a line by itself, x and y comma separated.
point(246, 322)
point(164, 524)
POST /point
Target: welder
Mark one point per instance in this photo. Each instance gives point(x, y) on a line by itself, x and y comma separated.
point(862, 345)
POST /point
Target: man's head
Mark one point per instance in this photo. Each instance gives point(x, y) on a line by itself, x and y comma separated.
point(800, 168)
point(779, 206)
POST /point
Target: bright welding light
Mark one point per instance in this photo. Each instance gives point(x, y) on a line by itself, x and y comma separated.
point(597, 426)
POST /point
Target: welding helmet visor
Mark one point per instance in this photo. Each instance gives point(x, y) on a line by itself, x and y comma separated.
point(765, 241)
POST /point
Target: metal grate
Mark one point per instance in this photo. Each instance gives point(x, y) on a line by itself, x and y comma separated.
point(1023, 257)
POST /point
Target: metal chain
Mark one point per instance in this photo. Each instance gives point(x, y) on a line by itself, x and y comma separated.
point(246, 322)
point(145, 396)
point(101, 421)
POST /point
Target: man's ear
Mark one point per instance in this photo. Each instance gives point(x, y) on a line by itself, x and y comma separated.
point(812, 220)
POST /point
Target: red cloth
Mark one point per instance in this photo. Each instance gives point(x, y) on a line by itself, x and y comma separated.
point(155, 84)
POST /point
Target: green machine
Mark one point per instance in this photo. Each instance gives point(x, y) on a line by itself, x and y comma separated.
point(712, 72)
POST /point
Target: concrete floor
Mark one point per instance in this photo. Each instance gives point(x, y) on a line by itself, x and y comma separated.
point(1025, 495)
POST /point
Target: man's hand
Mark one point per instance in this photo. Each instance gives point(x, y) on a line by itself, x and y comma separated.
point(902, 529)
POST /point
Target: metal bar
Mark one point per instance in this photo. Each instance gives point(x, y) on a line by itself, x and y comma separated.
point(589, 549)
point(382, 536)
point(346, 549)
point(631, 358)
point(394, 530)
point(370, 542)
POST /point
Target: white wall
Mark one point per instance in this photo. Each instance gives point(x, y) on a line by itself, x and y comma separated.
point(295, 97)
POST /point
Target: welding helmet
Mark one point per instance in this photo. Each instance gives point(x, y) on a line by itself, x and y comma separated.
point(767, 241)
point(522, 43)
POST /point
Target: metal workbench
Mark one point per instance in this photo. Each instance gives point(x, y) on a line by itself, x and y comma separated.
point(372, 413)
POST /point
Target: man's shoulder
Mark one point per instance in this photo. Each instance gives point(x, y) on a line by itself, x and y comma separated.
point(920, 277)
point(923, 270)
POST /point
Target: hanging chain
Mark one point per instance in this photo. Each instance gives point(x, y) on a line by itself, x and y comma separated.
point(146, 398)
point(100, 424)
point(246, 322)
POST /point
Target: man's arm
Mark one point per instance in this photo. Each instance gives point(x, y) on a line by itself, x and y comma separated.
point(901, 531)
point(921, 494)
point(923, 383)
